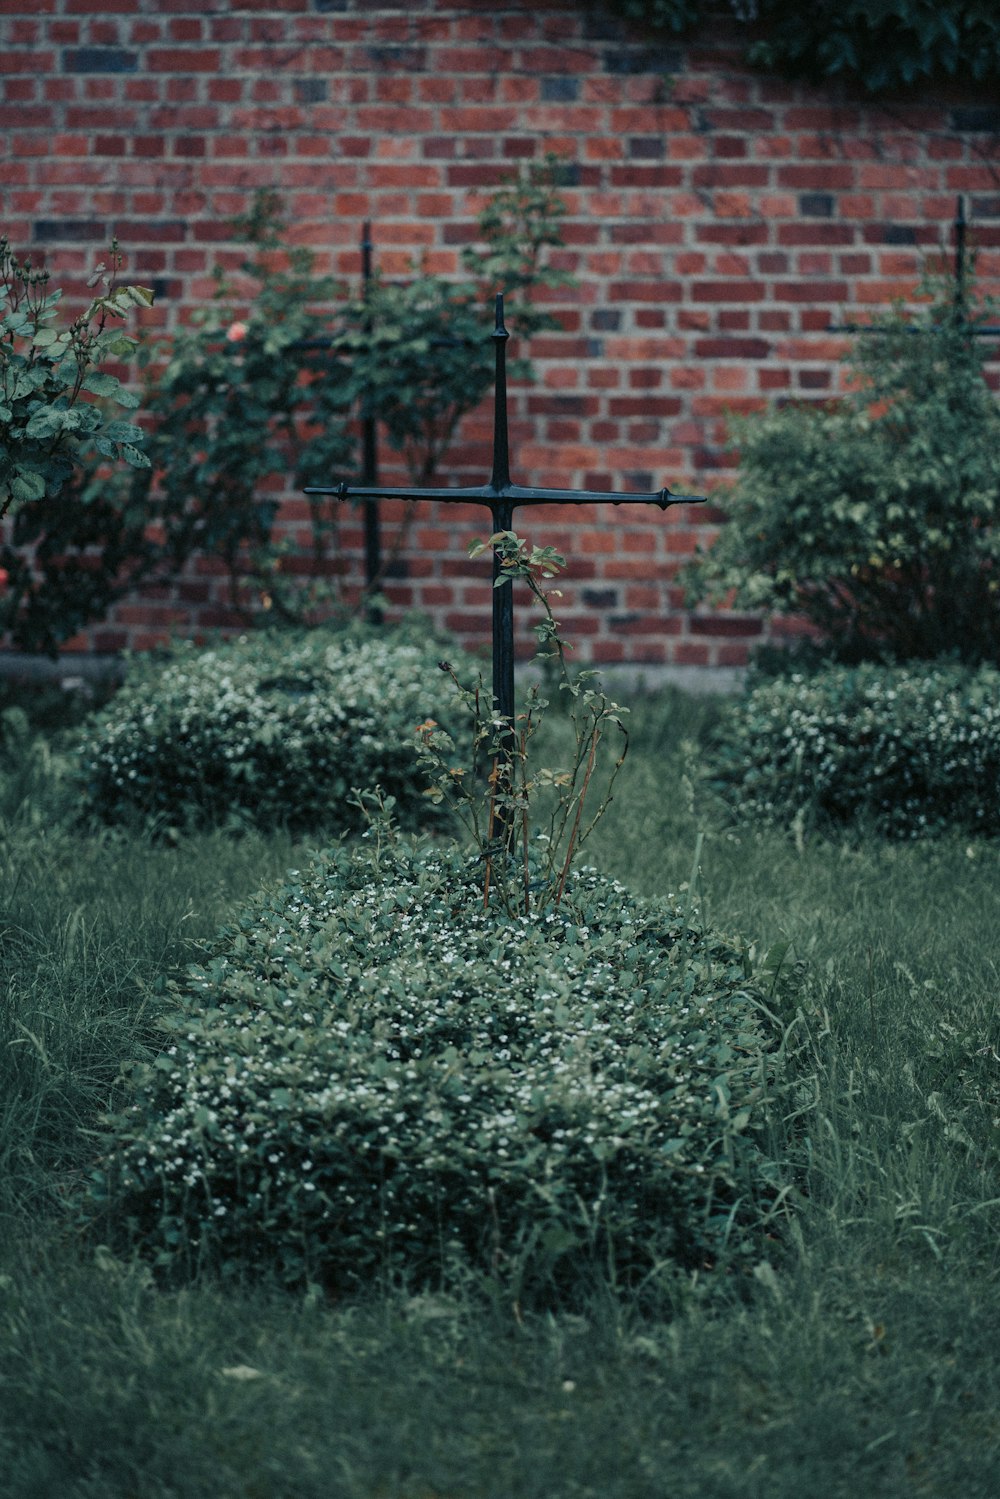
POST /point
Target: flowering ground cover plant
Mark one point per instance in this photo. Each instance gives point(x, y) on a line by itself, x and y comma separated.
point(274, 729)
point(377, 1076)
point(909, 751)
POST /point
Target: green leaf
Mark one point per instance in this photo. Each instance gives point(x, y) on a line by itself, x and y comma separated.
point(99, 383)
point(46, 423)
point(120, 431)
point(27, 485)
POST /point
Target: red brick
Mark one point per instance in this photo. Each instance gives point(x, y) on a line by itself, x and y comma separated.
point(884, 292)
point(733, 234)
point(884, 175)
point(715, 175)
point(688, 653)
point(733, 205)
point(728, 291)
point(817, 179)
point(609, 652)
point(731, 655)
point(184, 60)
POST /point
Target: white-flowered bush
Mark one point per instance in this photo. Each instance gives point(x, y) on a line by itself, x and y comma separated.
point(909, 751)
point(377, 1076)
point(274, 728)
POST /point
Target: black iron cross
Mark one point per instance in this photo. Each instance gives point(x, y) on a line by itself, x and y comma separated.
point(502, 498)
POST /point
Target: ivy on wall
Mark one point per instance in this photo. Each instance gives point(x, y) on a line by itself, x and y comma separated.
point(880, 45)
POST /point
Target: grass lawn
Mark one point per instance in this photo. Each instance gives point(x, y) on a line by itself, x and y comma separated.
point(861, 1357)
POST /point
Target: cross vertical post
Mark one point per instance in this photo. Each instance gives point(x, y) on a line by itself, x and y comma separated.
point(960, 257)
point(502, 497)
point(369, 454)
point(502, 512)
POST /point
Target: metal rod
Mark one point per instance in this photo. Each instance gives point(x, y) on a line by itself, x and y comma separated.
point(982, 330)
point(369, 457)
point(503, 677)
point(500, 476)
point(502, 513)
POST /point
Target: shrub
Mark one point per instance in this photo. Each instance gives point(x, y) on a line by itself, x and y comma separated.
point(257, 394)
point(876, 518)
point(59, 437)
point(880, 45)
point(254, 363)
point(275, 728)
point(910, 751)
point(378, 1075)
point(48, 424)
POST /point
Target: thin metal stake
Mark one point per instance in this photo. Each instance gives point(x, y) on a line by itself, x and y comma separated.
point(369, 457)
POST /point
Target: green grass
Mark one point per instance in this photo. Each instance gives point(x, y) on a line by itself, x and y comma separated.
point(862, 1357)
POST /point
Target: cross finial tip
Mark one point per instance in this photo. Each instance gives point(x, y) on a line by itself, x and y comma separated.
point(499, 331)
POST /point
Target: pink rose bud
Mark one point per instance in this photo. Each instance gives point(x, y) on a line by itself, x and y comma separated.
point(237, 332)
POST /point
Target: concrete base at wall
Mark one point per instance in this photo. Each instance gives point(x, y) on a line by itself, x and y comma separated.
point(698, 680)
point(93, 674)
point(89, 674)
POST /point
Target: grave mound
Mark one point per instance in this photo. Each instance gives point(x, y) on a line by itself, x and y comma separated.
point(377, 1077)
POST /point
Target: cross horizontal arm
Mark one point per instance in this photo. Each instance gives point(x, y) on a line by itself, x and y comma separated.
point(482, 494)
point(513, 494)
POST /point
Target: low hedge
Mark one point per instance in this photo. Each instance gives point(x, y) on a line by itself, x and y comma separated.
point(908, 751)
point(375, 1076)
point(275, 728)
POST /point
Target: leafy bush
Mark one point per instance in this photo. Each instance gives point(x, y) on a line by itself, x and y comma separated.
point(48, 425)
point(883, 45)
point(258, 393)
point(70, 548)
point(910, 751)
point(67, 558)
point(256, 363)
point(876, 518)
point(377, 1075)
point(274, 729)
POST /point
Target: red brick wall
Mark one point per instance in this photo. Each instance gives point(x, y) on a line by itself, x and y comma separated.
point(719, 221)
